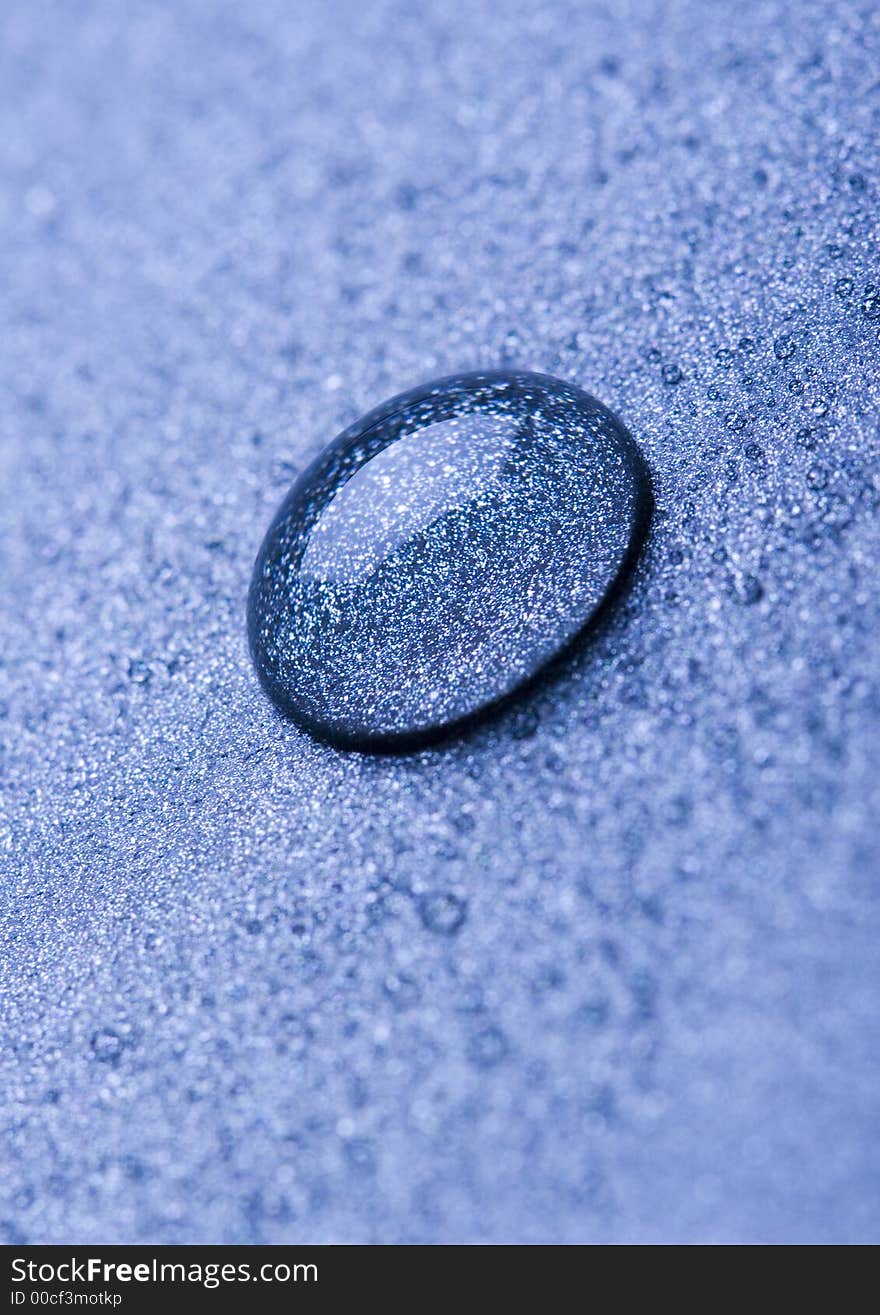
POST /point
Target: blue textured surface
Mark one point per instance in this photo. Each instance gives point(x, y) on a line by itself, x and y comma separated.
point(607, 969)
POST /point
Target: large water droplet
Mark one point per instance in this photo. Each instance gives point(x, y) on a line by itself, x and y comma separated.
point(439, 552)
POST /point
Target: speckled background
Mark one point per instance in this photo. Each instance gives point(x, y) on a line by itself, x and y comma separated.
point(607, 969)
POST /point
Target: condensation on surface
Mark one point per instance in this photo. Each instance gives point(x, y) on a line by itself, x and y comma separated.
point(606, 968)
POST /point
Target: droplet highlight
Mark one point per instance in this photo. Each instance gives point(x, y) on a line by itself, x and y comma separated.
point(440, 552)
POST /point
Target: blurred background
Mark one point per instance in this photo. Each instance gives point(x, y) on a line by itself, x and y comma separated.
point(606, 970)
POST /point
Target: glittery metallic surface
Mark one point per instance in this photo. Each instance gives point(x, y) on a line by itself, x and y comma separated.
point(606, 967)
point(440, 552)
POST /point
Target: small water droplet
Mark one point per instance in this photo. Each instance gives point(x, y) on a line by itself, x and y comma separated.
point(442, 911)
point(107, 1046)
point(403, 991)
point(440, 552)
point(671, 374)
point(871, 305)
point(746, 589)
point(784, 347)
point(487, 1047)
point(139, 672)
